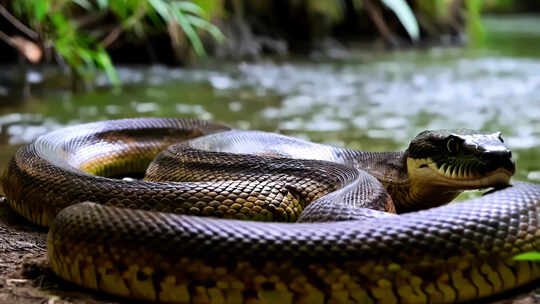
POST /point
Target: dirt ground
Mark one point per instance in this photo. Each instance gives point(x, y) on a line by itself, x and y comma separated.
point(25, 277)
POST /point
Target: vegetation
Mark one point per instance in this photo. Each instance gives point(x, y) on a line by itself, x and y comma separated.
point(79, 34)
point(80, 31)
point(528, 256)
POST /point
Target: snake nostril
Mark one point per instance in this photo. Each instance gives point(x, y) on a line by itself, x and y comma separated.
point(499, 155)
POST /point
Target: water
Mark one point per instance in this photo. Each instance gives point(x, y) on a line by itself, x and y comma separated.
point(367, 101)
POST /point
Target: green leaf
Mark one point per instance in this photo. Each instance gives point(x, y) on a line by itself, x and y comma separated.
point(190, 33)
point(83, 3)
point(528, 256)
point(190, 7)
point(161, 7)
point(207, 26)
point(85, 54)
point(105, 62)
point(405, 16)
point(156, 21)
point(102, 4)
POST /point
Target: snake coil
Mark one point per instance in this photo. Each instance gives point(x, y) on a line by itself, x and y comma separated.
point(452, 253)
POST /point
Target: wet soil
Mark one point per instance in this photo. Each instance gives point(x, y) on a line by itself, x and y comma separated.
point(25, 276)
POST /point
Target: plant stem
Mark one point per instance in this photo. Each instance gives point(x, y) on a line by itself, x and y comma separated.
point(377, 17)
point(6, 38)
point(19, 25)
point(116, 32)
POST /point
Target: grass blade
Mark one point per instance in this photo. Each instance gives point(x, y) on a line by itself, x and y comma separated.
point(405, 16)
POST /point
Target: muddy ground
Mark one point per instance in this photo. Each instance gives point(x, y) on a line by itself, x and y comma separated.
point(25, 277)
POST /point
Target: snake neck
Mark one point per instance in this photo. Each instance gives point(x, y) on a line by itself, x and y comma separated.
point(390, 168)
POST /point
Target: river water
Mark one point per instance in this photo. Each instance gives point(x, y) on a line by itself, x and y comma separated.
point(365, 100)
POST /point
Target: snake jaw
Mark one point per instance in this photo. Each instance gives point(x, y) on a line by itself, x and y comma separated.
point(459, 177)
point(438, 185)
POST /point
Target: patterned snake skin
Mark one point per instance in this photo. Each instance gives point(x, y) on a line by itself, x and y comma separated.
point(453, 253)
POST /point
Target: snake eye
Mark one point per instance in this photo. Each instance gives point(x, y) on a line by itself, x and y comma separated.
point(452, 145)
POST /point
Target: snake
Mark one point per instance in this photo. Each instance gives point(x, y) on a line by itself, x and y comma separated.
point(175, 210)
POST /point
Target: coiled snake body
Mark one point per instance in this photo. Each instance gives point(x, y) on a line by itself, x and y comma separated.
point(341, 253)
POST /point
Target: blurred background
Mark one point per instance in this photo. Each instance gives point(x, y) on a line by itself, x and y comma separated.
point(366, 74)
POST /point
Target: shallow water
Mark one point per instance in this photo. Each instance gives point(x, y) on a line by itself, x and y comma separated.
point(367, 101)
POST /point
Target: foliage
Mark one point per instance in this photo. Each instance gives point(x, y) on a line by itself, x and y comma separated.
point(190, 17)
point(528, 256)
point(334, 11)
point(509, 6)
point(80, 51)
point(83, 45)
point(434, 8)
point(82, 31)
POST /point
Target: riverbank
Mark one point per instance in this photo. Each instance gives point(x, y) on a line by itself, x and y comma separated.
point(365, 100)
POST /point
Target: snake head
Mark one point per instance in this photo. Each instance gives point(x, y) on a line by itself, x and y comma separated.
point(460, 159)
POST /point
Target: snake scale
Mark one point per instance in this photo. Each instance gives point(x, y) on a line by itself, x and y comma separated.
point(125, 236)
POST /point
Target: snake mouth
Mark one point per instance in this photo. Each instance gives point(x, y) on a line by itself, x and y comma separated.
point(467, 175)
point(473, 180)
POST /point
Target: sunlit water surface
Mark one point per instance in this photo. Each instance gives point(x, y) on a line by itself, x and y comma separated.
point(367, 101)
